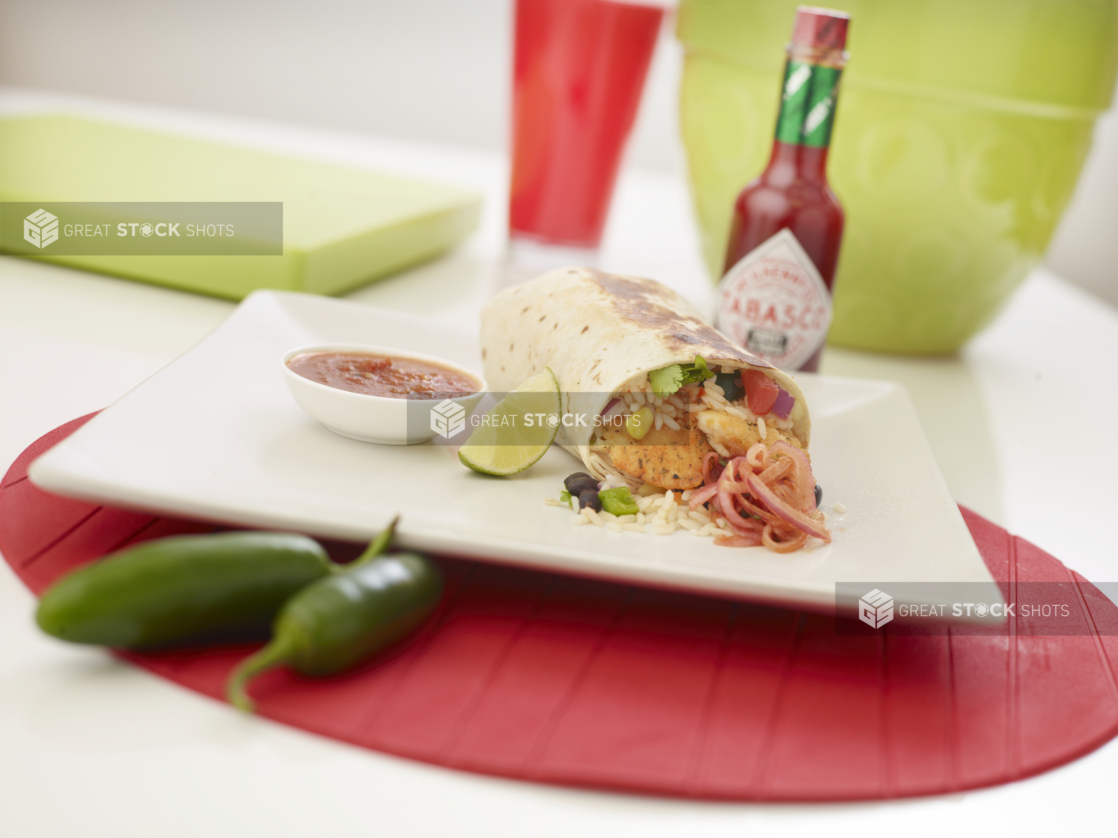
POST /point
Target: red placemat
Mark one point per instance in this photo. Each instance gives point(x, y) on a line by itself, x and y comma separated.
point(555, 679)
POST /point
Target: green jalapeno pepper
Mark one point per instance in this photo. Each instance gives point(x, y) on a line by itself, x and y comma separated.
point(341, 620)
point(190, 588)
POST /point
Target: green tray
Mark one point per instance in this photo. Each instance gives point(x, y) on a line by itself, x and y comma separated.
point(341, 227)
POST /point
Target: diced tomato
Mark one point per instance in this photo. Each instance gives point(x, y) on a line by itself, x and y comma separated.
point(760, 391)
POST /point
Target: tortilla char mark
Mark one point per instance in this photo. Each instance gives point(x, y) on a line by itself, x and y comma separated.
point(643, 301)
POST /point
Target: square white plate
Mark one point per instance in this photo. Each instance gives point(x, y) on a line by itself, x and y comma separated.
point(215, 435)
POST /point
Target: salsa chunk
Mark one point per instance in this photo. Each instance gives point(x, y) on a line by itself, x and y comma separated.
point(382, 375)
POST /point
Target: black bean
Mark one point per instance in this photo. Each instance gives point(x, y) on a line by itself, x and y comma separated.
point(818, 495)
point(590, 498)
point(576, 476)
point(583, 484)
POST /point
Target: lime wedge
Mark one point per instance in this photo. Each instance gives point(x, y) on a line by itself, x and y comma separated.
point(517, 431)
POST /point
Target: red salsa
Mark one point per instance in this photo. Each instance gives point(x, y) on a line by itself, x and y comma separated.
point(380, 375)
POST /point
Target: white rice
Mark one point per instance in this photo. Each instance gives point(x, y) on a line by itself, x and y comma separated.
point(659, 514)
point(714, 402)
point(741, 413)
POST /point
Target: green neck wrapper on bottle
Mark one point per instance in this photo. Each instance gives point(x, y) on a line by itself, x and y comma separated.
point(807, 104)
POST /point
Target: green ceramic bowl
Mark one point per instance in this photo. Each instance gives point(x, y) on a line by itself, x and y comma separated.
point(961, 129)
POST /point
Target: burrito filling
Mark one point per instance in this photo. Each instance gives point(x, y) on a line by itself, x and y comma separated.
point(724, 434)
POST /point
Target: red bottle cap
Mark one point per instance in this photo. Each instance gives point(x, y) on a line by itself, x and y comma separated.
point(823, 29)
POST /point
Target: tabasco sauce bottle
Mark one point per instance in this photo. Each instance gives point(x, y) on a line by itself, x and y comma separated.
point(775, 294)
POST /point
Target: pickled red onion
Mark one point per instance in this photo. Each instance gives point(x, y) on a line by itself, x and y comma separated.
point(766, 498)
point(793, 516)
point(802, 480)
point(757, 455)
point(792, 544)
point(701, 496)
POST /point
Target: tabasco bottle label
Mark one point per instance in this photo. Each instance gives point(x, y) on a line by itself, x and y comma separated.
point(807, 104)
point(774, 303)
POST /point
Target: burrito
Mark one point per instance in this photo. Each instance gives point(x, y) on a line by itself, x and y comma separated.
point(656, 399)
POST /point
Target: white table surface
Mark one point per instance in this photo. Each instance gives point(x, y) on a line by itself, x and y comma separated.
point(1022, 422)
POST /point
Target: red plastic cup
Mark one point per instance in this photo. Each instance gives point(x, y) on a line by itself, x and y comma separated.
point(579, 69)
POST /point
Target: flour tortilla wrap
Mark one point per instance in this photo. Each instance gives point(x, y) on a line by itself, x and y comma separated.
point(596, 332)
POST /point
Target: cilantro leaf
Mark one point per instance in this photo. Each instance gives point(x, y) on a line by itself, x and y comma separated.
point(668, 380)
point(565, 497)
point(698, 371)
